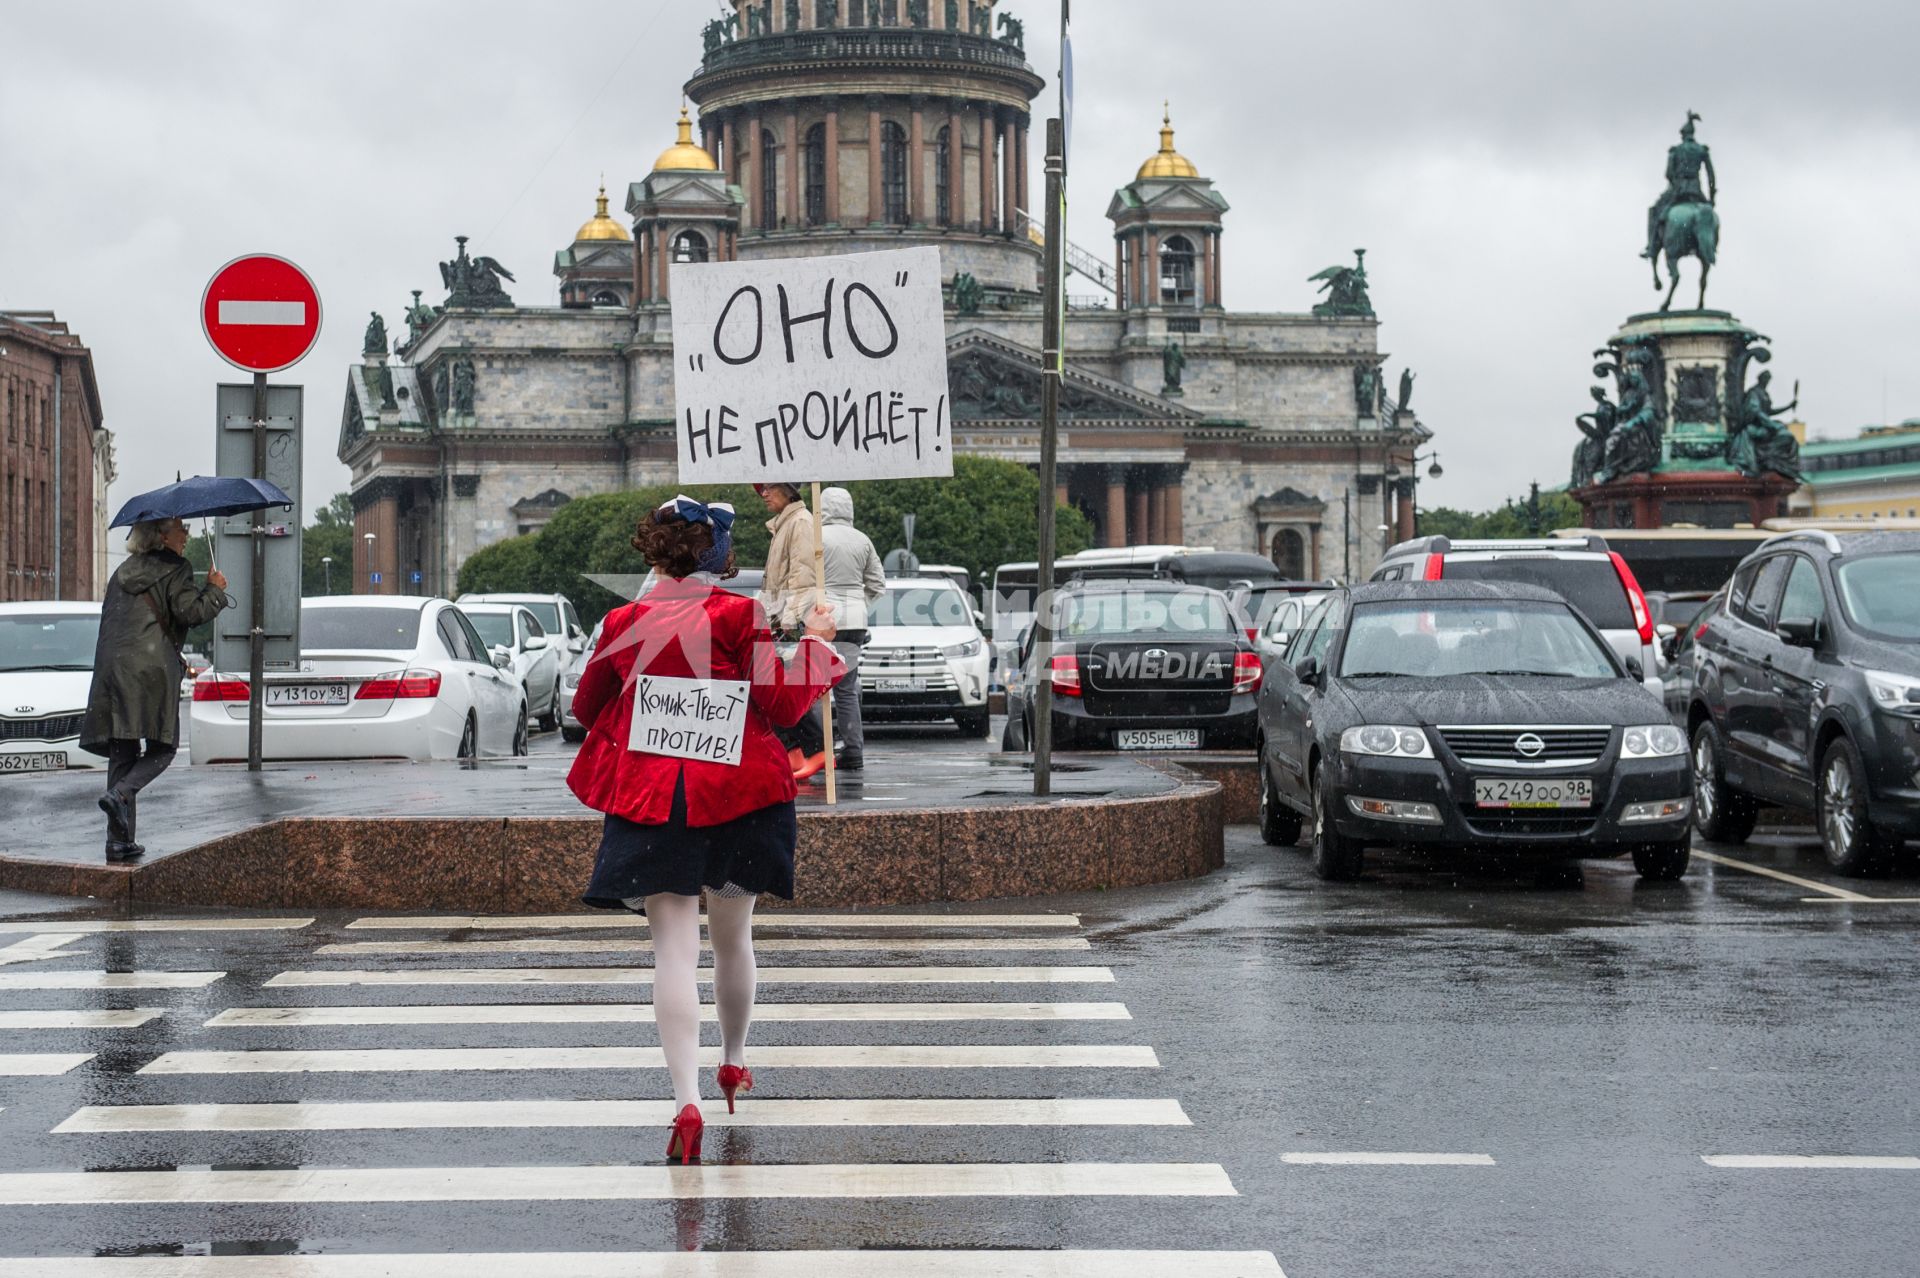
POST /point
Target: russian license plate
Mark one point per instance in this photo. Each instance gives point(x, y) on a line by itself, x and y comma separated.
point(40, 761)
point(1157, 738)
point(1533, 792)
point(899, 685)
point(307, 694)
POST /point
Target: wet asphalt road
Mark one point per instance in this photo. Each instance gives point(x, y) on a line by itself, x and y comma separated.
point(1580, 1048)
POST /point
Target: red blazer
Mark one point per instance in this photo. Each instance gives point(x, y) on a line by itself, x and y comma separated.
point(689, 630)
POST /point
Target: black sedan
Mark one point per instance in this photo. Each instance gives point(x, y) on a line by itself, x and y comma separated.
point(1139, 665)
point(1468, 715)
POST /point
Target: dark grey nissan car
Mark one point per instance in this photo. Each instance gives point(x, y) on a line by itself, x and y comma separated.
point(1468, 715)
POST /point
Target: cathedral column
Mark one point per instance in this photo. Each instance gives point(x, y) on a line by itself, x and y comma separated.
point(1170, 498)
point(1214, 261)
point(729, 148)
point(793, 167)
point(876, 206)
point(1404, 532)
point(956, 165)
point(640, 243)
point(1020, 172)
point(1115, 532)
point(1008, 149)
point(1138, 510)
point(833, 161)
point(756, 147)
point(986, 168)
point(1205, 290)
point(916, 167)
point(1120, 275)
point(663, 254)
point(1153, 269)
point(1156, 513)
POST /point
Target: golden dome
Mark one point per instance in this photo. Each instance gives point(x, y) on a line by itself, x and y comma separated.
point(1167, 163)
point(600, 226)
point(683, 154)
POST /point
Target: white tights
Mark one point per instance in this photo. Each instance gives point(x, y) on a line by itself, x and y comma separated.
point(675, 922)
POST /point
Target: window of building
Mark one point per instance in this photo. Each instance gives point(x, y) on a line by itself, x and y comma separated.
point(604, 298)
point(857, 12)
point(823, 12)
point(689, 246)
point(943, 179)
point(1176, 272)
point(893, 173)
point(816, 160)
point(769, 182)
point(888, 12)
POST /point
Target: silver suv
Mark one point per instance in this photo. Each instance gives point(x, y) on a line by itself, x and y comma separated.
point(1582, 571)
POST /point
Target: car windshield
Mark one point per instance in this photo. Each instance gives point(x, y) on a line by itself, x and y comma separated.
point(48, 641)
point(494, 627)
point(1881, 594)
point(548, 615)
point(1120, 613)
point(921, 606)
point(378, 629)
point(1591, 585)
point(1433, 639)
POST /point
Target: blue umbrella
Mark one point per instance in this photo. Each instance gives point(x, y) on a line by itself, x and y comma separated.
point(200, 497)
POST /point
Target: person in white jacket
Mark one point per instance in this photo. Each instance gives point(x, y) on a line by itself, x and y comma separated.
point(855, 579)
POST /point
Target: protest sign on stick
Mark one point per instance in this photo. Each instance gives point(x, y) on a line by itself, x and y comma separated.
point(702, 719)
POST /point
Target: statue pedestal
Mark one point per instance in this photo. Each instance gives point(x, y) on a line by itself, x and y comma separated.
point(1702, 498)
point(1697, 380)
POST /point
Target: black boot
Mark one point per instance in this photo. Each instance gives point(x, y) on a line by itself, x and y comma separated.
point(119, 853)
point(119, 817)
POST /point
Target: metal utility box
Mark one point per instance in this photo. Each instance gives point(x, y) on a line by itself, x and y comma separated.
point(233, 541)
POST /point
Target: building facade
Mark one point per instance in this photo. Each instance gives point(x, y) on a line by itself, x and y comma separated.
point(833, 126)
point(1873, 476)
point(56, 460)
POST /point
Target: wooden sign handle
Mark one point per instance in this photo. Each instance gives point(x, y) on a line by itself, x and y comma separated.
point(819, 601)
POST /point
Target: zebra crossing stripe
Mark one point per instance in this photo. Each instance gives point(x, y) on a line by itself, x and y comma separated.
point(644, 976)
point(388, 1059)
point(34, 948)
point(735, 1264)
point(773, 920)
point(418, 1115)
point(642, 1013)
point(762, 944)
point(40, 1064)
point(586, 1184)
point(107, 980)
point(155, 925)
point(123, 1018)
point(1362, 1158)
point(1811, 1162)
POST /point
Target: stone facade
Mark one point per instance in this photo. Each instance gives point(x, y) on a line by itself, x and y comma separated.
point(56, 460)
point(1182, 421)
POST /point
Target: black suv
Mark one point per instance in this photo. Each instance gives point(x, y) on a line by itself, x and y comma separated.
point(1806, 693)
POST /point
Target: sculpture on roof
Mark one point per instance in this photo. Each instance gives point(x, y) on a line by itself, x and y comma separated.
point(967, 293)
point(980, 22)
point(1683, 221)
point(917, 13)
point(1013, 32)
point(1406, 392)
point(793, 15)
point(376, 338)
point(1345, 287)
point(756, 22)
point(474, 282)
point(463, 386)
point(419, 316)
point(953, 15)
point(1173, 362)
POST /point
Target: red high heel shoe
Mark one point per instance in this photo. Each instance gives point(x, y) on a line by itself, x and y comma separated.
point(796, 758)
point(685, 1140)
point(735, 1078)
point(814, 763)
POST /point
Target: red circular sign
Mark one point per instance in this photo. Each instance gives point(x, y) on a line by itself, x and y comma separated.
point(261, 313)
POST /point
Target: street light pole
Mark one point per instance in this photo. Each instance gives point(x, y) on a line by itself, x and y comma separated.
point(326, 566)
point(370, 582)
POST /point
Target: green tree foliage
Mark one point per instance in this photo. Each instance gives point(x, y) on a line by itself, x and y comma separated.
point(1515, 519)
point(330, 534)
point(504, 566)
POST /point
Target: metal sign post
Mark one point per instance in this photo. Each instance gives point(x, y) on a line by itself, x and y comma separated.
point(1052, 339)
point(256, 623)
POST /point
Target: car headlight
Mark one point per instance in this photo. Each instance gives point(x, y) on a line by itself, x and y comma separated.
point(1898, 693)
point(1386, 740)
point(1653, 741)
point(571, 678)
point(968, 649)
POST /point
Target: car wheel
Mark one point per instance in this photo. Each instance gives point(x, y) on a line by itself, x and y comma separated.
point(551, 719)
point(972, 723)
point(575, 735)
point(1279, 824)
point(1852, 844)
point(1335, 857)
point(1013, 737)
point(469, 746)
point(1663, 862)
point(520, 731)
point(1721, 813)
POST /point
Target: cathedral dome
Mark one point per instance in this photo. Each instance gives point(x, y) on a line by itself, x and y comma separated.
point(683, 154)
point(1167, 162)
point(600, 226)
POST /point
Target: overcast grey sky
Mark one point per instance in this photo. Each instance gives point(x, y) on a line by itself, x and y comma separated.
point(1495, 159)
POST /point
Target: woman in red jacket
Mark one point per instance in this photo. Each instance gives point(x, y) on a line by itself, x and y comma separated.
point(677, 825)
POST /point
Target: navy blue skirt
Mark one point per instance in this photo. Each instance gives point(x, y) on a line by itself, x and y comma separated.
point(754, 852)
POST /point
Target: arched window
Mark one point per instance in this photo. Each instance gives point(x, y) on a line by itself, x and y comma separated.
point(769, 181)
point(689, 246)
point(604, 298)
point(1290, 554)
point(943, 179)
point(893, 172)
point(816, 157)
point(1176, 272)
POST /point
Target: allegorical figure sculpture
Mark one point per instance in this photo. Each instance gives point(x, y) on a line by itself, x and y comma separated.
point(376, 339)
point(474, 282)
point(1683, 222)
point(1763, 444)
point(1366, 389)
point(1173, 362)
point(953, 15)
point(1013, 32)
point(1589, 455)
point(1345, 287)
point(917, 13)
point(793, 15)
point(419, 316)
point(967, 293)
point(1633, 447)
point(1406, 392)
point(463, 386)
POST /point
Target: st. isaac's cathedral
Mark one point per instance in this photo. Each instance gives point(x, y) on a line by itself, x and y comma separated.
point(837, 126)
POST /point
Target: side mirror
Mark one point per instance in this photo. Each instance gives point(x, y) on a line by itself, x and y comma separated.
point(1307, 670)
point(979, 620)
point(1636, 671)
point(577, 644)
point(1667, 644)
point(501, 658)
point(535, 643)
point(1801, 632)
point(1281, 639)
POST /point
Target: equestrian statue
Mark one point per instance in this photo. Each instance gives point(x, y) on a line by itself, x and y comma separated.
point(1682, 222)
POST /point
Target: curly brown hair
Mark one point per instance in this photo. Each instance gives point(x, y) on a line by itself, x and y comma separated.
point(672, 547)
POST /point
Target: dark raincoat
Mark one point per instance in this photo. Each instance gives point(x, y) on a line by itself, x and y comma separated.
point(137, 667)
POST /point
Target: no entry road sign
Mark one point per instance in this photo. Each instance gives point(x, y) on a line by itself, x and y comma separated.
point(261, 313)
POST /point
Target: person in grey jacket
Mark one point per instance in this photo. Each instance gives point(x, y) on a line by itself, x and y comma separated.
point(151, 603)
point(855, 579)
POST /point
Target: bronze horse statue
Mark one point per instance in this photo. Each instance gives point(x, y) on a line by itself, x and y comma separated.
point(1691, 229)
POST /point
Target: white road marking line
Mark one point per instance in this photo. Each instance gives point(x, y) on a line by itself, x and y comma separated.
point(1833, 893)
point(127, 1018)
point(156, 925)
point(763, 944)
point(107, 980)
point(1843, 900)
point(280, 314)
point(1368, 1159)
point(911, 1056)
point(642, 1013)
point(40, 1064)
point(409, 1115)
point(772, 920)
point(49, 945)
point(586, 1184)
point(732, 1264)
point(1810, 1162)
point(644, 976)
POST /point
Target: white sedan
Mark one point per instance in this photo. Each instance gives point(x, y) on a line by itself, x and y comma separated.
point(46, 669)
point(380, 677)
point(533, 655)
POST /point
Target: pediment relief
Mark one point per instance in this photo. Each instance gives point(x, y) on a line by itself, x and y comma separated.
point(991, 379)
point(1289, 500)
